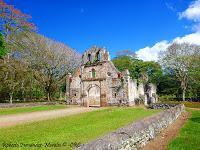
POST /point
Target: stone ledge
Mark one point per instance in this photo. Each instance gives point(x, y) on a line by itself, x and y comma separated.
point(136, 134)
point(94, 79)
point(161, 106)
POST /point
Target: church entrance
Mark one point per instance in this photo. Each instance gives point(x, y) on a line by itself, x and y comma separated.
point(94, 96)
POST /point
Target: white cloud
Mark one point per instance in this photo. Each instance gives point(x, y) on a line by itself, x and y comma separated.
point(151, 53)
point(193, 38)
point(192, 12)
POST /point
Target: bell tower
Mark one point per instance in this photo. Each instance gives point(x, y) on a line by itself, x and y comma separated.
point(94, 55)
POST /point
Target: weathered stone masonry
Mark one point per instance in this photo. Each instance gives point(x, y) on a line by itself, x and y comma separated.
point(137, 134)
point(97, 82)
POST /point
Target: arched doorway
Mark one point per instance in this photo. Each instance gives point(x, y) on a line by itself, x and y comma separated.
point(94, 95)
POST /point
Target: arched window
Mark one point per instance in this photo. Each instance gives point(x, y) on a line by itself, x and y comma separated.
point(97, 56)
point(93, 73)
point(89, 57)
point(115, 95)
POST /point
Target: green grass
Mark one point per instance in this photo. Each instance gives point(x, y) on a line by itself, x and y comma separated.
point(9, 111)
point(189, 136)
point(72, 130)
point(192, 104)
point(187, 104)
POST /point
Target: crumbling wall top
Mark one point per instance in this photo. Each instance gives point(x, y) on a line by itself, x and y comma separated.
point(95, 54)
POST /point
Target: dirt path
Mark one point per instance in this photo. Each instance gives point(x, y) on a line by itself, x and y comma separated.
point(11, 120)
point(193, 108)
point(162, 140)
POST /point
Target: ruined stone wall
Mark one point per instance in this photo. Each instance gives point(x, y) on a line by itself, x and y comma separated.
point(133, 93)
point(86, 86)
point(75, 82)
point(100, 71)
point(93, 51)
point(114, 85)
point(137, 134)
point(161, 106)
point(141, 89)
point(104, 74)
point(116, 88)
point(75, 89)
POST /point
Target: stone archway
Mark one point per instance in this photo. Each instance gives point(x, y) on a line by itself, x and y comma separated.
point(94, 95)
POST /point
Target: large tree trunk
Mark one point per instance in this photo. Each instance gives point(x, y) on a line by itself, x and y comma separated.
point(184, 87)
point(48, 97)
point(30, 89)
point(11, 97)
point(183, 95)
point(11, 93)
point(6, 62)
point(23, 92)
point(60, 94)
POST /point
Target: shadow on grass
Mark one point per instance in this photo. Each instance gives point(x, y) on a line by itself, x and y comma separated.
point(196, 119)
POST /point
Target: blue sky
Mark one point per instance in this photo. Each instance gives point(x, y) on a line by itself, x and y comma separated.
point(114, 24)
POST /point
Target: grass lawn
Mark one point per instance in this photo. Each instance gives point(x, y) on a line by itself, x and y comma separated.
point(70, 131)
point(8, 111)
point(189, 136)
point(187, 104)
point(192, 104)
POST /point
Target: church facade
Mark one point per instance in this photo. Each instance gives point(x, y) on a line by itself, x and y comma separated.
point(97, 82)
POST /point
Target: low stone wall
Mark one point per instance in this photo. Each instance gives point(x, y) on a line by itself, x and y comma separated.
point(137, 134)
point(7, 105)
point(161, 106)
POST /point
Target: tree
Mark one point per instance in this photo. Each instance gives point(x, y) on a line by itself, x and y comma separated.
point(127, 62)
point(13, 20)
point(3, 50)
point(49, 60)
point(168, 84)
point(12, 23)
point(12, 73)
point(195, 68)
point(194, 76)
point(149, 71)
point(180, 58)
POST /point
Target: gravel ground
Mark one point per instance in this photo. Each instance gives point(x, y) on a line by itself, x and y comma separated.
point(11, 120)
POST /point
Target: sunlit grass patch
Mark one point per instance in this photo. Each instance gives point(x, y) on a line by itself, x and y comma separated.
point(70, 131)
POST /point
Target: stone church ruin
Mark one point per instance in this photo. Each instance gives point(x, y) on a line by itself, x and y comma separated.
point(97, 82)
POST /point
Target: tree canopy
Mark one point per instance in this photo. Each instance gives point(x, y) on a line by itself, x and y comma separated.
point(183, 60)
point(33, 66)
point(3, 50)
point(142, 71)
